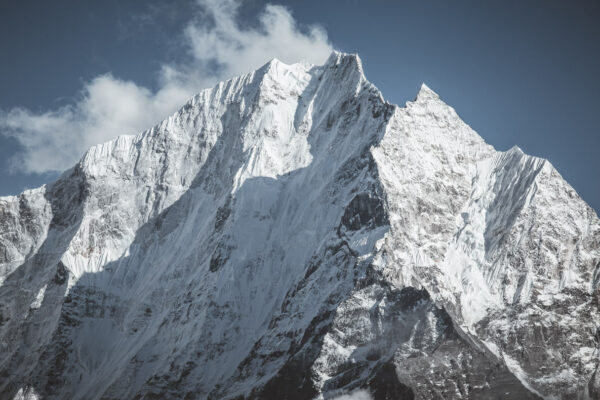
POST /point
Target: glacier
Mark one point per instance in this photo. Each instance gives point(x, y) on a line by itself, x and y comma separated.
point(289, 234)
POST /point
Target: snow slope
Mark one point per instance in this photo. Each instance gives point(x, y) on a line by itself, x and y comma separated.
point(289, 234)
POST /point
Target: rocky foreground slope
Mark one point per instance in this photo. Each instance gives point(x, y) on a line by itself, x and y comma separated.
point(288, 234)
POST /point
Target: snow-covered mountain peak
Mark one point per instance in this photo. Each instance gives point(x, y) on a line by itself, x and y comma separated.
point(290, 234)
point(258, 90)
point(426, 94)
point(516, 150)
point(338, 58)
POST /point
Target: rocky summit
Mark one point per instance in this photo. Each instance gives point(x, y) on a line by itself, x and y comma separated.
point(289, 234)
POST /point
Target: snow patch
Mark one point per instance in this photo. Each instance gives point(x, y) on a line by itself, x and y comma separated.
point(356, 395)
point(39, 298)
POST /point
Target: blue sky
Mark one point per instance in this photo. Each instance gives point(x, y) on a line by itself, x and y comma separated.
point(523, 73)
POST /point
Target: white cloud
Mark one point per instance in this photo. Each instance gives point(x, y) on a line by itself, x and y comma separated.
point(217, 48)
point(357, 395)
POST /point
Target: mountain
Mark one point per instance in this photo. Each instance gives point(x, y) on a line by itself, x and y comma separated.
point(289, 234)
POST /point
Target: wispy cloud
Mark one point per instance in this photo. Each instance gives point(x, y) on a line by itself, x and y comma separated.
point(217, 47)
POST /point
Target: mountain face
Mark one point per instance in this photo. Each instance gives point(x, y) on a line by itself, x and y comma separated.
point(289, 234)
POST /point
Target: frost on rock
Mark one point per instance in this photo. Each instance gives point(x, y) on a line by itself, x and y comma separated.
point(289, 234)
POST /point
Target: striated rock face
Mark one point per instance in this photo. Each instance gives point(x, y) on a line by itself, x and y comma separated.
point(289, 234)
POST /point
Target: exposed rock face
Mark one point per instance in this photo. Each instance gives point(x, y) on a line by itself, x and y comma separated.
point(289, 234)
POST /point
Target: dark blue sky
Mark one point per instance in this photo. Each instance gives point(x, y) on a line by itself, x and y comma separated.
point(518, 72)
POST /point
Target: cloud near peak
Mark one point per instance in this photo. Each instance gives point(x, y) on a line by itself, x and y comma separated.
point(217, 48)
